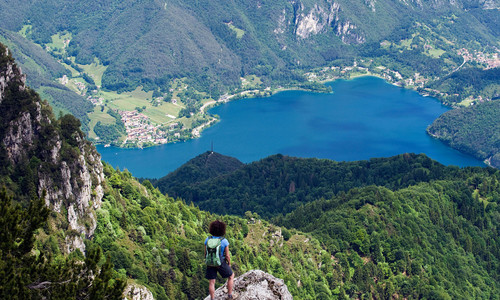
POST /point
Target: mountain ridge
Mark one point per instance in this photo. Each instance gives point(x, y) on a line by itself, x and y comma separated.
point(287, 34)
point(288, 182)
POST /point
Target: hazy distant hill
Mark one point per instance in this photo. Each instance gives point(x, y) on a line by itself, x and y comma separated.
point(213, 42)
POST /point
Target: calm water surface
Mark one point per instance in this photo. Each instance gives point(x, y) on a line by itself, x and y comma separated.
point(363, 118)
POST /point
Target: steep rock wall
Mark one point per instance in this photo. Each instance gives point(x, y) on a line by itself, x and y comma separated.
point(67, 170)
point(321, 18)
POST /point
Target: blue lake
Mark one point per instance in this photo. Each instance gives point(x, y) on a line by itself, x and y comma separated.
point(363, 118)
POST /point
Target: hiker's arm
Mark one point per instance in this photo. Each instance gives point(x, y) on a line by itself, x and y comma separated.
point(227, 255)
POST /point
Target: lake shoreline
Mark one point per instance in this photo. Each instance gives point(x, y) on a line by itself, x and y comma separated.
point(251, 94)
point(360, 120)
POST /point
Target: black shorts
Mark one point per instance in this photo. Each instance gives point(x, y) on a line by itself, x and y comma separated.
point(224, 270)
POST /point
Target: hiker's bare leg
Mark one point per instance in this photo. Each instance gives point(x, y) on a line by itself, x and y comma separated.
point(211, 288)
point(230, 284)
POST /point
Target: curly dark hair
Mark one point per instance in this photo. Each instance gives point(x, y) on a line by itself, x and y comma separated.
point(217, 228)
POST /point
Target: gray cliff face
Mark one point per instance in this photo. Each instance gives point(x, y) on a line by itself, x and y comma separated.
point(72, 186)
point(256, 285)
point(321, 18)
point(78, 191)
point(305, 19)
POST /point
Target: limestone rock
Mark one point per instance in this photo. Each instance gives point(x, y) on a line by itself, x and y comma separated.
point(10, 73)
point(256, 285)
point(307, 21)
point(72, 185)
point(137, 292)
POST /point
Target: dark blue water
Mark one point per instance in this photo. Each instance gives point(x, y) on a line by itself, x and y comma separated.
point(363, 118)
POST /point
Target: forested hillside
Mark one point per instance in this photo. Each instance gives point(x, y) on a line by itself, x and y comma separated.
point(158, 241)
point(43, 70)
point(205, 166)
point(434, 240)
point(474, 130)
point(405, 225)
point(469, 83)
point(278, 184)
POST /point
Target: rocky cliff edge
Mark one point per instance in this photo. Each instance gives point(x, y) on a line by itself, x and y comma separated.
point(256, 285)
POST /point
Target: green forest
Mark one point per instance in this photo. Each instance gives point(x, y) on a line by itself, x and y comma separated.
point(404, 225)
point(279, 184)
point(474, 130)
point(469, 82)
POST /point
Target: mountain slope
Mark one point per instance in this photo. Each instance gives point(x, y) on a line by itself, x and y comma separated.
point(405, 226)
point(47, 163)
point(158, 241)
point(474, 130)
point(433, 240)
point(149, 42)
point(43, 70)
point(44, 157)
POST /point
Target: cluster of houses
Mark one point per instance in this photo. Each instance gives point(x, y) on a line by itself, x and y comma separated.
point(95, 100)
point(491, 60)
point(79, 85)
point(140, 130)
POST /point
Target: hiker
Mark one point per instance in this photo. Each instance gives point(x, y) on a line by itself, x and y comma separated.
point(218, 258)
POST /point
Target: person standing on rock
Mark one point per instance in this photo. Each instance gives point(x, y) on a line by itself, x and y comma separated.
point(218, 258)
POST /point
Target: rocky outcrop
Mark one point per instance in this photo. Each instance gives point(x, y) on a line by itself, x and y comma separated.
point(494, 161)
point(137, 292)
point(256, 285)
point(313, 22)
point(78, 188)
point(9, 72)
point(318, 19)
point(64, 168)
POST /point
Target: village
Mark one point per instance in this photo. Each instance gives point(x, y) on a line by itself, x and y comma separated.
point(490, 60)
point(140, 130)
